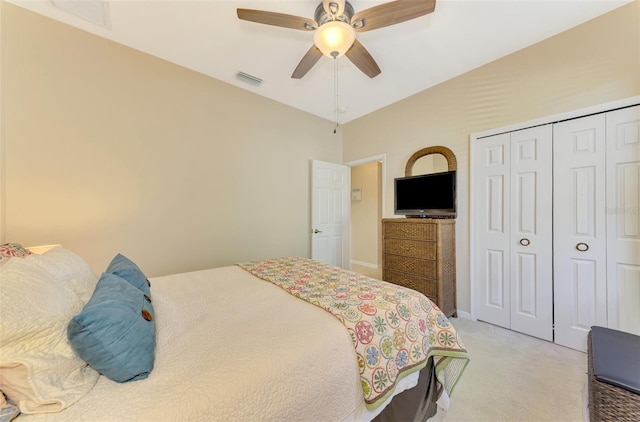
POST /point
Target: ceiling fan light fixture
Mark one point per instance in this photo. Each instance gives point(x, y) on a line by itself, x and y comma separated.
point(334, 38)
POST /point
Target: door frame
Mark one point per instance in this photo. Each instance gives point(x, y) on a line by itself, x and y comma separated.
point(600, 108)
point(381, 158)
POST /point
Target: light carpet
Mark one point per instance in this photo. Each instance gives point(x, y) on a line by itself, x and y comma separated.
point(514, 377)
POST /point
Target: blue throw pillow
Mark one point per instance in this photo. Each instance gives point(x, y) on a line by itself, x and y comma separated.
point(122, 266)
point(116, 332)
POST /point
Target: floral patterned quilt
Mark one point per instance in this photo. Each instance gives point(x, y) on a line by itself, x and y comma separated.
point(394, 329)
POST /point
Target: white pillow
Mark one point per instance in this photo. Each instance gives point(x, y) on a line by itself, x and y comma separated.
point(39, 294)
point(66, 267)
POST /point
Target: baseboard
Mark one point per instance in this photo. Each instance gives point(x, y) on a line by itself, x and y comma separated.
point(365, 264)
point(463, 314)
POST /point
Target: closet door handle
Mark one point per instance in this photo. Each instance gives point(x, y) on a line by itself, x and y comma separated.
point(525, 242)
point(582, 247)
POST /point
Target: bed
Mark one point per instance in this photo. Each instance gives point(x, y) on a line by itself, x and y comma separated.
point(260, 340)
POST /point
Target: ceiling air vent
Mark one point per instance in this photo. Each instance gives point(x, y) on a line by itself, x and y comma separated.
point(94, 11)
point(250, 79)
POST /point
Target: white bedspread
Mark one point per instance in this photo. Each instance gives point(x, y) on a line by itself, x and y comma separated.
point(228, 349)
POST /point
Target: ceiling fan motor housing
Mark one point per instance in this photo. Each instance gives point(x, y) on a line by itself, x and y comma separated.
point(321, 16)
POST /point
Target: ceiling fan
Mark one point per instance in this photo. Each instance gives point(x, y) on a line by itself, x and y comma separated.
point(335, 24)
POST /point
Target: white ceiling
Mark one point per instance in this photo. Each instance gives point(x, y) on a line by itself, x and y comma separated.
point(207, 36)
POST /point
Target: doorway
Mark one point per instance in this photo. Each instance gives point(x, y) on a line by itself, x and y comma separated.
point(367, 199)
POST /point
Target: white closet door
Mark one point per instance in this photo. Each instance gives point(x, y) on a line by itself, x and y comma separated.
point(531, 252)
point(623, 219)
point(512, 212)
point(491, 185)
point(580, 250)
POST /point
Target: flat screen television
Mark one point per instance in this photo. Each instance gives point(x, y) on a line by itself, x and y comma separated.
point(428, 195)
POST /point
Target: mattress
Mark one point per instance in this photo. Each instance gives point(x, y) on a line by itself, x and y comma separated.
point(233, 347)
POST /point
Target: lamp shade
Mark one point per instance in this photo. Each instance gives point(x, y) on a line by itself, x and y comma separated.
point(334, 38)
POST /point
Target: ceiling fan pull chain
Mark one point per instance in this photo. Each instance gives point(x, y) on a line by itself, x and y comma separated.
point(335, 89)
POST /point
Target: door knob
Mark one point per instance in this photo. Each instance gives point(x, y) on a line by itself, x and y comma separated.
point(582, 247)
point(525, 242)
point(317, 231)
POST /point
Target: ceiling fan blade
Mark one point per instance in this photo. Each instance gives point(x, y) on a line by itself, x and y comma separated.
point(277, 19)
point(363, 60)
point(307, 62)
point(391, 13)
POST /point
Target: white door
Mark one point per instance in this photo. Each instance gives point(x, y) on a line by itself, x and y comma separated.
point(580, 247)
point(531, 237)
point(512, 183)
point(623, 219)
point(491, 185)
point(330, 208)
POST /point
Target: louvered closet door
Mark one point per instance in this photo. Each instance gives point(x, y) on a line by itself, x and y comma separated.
point(623, 219)
point(513, 253)
point(580, 285)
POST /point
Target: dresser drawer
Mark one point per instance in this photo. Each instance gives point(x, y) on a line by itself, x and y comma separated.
point(411, 248)
point(428, 287)
point(404, 230)
point(420, 267)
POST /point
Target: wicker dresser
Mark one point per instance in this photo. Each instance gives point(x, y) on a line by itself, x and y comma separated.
point(420, 253)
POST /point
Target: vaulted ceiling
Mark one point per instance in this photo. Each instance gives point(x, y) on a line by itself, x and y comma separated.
point(208, 37)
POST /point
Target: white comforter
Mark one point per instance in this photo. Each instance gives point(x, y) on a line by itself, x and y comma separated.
point(231, 347)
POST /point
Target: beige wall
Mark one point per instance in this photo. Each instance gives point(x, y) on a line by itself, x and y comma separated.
point(366, 214)
point(110, 150)
point(105, 149)
point(594, 63)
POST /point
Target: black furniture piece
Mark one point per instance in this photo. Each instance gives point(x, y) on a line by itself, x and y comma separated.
point(614, 375)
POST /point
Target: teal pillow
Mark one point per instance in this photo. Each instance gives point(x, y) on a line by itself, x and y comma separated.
point(122, 266)
point(116, 333)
